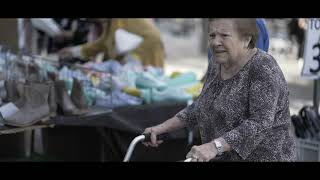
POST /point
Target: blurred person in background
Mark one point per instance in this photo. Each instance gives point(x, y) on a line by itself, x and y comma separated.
point(297, 28)
point(150, 52)
point(74, 32)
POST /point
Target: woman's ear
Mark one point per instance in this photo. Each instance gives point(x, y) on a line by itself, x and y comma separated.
point(247, 41)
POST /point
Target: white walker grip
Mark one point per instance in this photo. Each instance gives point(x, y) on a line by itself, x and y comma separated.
point(141, 138)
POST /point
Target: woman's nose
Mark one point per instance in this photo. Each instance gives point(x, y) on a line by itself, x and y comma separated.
point(215, 42)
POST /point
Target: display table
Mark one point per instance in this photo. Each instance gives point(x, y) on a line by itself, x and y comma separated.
point(104, 134)
point(17, 142)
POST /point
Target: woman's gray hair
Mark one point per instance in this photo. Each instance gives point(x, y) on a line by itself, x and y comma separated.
point(245, 27)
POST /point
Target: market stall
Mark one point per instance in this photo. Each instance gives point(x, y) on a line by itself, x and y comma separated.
point(96, 108)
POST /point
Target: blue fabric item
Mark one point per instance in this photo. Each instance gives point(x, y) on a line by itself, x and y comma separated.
point(133, 64)
point(183, 79)
point(168, 95)
point(146, 95)
point(148, 80)
point(108, 83)
point(67, 74)
point(157, 72)
point(111, 66)
point(117, 99)
point(91, 94)
point(263, 40)
point(80, 75)
point(171, 95)
point(49, 68)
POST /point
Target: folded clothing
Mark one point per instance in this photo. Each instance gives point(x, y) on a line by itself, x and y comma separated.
point(117, 99)
point(110, 66)
point(147, 80)
point(167, 95)
point(182, 79)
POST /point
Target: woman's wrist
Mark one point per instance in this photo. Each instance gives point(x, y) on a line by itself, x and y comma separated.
point(160, 129)
point(225, 146)
point(171, 124)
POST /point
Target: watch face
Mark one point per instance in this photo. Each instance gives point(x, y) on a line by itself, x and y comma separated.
point(219, 147)
point(218, 144)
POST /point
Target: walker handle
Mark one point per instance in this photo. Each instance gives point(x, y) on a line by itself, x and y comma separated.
point(163, 137)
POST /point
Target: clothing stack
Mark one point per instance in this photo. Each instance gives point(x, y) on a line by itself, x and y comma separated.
point(133, 84)
point(111, 84)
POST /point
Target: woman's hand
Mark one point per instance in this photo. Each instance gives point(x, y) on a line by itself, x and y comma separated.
point(153, 131)
point(203, 153)
point(169, 125)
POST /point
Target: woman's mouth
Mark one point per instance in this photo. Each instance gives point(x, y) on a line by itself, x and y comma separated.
point(219, 51)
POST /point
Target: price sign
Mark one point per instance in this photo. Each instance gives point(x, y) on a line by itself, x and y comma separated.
point(311, 66)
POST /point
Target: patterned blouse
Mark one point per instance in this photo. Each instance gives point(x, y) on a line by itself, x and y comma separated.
point(250, 111)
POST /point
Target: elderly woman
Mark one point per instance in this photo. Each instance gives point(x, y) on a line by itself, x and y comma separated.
point(243, 110)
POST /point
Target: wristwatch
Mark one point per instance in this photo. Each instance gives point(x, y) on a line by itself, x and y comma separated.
point(219, 146)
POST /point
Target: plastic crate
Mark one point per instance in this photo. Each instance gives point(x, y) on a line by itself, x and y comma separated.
point(308, 150)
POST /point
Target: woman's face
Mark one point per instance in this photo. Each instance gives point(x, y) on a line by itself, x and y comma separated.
point(225, 42)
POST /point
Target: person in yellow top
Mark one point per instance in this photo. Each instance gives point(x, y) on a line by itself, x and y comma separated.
point(150, 51)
